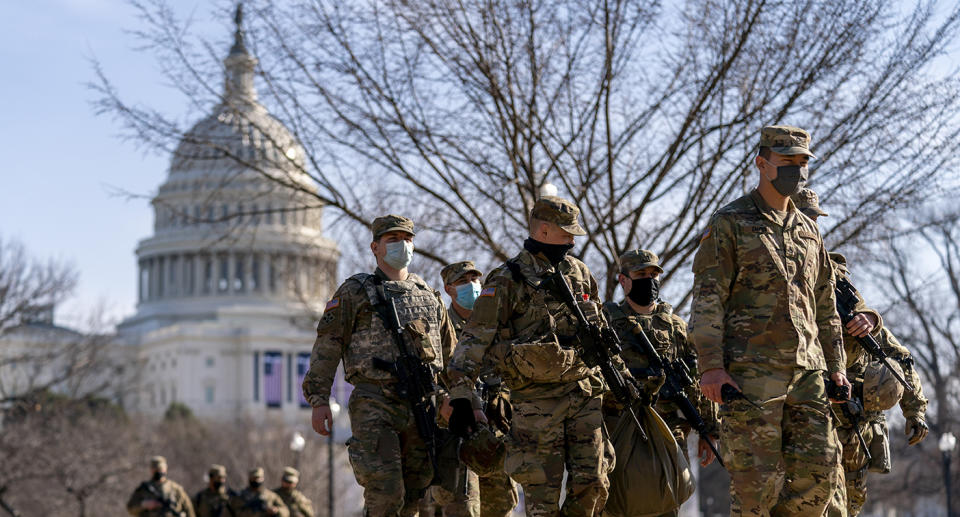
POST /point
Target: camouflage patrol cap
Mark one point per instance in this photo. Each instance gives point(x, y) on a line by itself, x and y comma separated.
point(638, 259)
point(157, 462)
point(256, 474)
point(391, 223)
point(881, 390)
point(482, 452)
point(808, 202)
point(453, 272)
point(786, 140)
point(291, 475)
point(217, 471)
point(559, 211)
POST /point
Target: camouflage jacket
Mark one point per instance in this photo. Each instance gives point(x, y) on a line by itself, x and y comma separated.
point(352, 330)
point(456, 320)
point(668, 335)
point(213, 503)
point(252, 503)
point(856, 356)
point(524, 332)
point(298, 503)
point(179, 501)
point(764, 291)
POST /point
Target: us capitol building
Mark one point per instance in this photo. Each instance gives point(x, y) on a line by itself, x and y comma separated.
point(235, 274)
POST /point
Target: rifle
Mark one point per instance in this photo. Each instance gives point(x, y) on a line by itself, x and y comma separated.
point(164, 501)
point(676, 379)
point(597, 346)
point(415, 378)
point(847, 300)
point(853, 410)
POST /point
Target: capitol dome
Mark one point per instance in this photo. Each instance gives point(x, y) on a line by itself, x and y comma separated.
point(236, 226)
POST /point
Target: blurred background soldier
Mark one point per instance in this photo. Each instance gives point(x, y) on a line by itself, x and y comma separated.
point(642, 308)
point(158, 496)
point(875, 389)
point(257, 501)
point(389, 456)
point(296, 502)
point(214, 500)
point(765, 324)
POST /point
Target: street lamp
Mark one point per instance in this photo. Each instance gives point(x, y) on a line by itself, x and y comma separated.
point(334, 411)
point(297, 443)
point(948, 442)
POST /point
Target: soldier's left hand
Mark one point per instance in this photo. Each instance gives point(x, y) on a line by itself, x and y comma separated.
point(861, 324)
point(704, 452)
point(841, 379)
point(916, 430)
point(446, 409)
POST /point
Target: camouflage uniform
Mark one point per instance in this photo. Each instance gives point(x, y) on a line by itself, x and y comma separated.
point(214, 502)
point(525, 332)
point(179, 501)
point(874, 425)
point(764, 309)
point(388, 456)
point(256, 502)
point(298, 504)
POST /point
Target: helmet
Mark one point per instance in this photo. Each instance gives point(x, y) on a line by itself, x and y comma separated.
point(881, 390)
point(483, 452)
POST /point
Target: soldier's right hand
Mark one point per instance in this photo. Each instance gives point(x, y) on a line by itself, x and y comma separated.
point(322, 420)
point(150, 504)
point(464, 419)
point(713, 380)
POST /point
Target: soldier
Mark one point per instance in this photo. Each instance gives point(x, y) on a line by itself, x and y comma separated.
point(496, 496)
point(874, 389)
point(764, 321)
point(257, 501)
point(520, 326)
point(296, 502)
point(642, 309)
point(158, 496)
point(388, 456)
point(214, 501)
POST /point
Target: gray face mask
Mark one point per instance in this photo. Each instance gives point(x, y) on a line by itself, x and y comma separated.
point(399, 254)
point(790, 179)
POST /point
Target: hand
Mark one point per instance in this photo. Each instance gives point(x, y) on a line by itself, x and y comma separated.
point(445, 409)
point(916, 430)
point(704, 452)
point(861, 324)
point(150, 504)
point(273, 510)
point(841, 379)
point(322, 420)
point(712, 380)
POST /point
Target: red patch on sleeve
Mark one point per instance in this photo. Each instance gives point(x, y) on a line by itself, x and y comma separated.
point(586, 297)
point(332, 304)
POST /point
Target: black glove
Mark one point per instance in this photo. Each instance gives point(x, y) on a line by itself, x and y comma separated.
point(462, 421)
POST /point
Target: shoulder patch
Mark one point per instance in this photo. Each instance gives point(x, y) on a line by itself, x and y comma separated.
point(706, 234)
point(488, 291)
point(332, 304)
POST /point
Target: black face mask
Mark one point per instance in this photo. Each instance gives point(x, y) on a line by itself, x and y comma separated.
point(217, 485)
point(644, 291)
point(256, 484)
point(157, 476)
point(790, 179)
point(554, 252)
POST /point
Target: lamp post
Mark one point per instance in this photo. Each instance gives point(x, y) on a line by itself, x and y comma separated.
point(948, 442)
point(297, 443)
point(334, 411)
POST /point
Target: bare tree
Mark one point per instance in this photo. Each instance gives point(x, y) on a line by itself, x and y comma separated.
point(457, 113)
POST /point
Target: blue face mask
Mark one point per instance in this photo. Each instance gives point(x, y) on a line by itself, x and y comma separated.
point(467, 294)
point(399, 254)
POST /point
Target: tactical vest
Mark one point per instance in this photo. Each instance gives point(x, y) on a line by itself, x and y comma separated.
point(418, 308)
point(660, 327)
point(541, 331)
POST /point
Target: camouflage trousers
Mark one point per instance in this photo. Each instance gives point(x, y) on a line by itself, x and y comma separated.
point(498, 495)
point(782, 457)
point(837, 507)
point(388, 457)
point(855, 462)
point(549, 435)
point(440, 501)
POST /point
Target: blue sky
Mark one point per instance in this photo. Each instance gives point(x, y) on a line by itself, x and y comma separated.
point(62, 163)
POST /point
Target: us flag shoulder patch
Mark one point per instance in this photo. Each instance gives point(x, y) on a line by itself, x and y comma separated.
point(488, 291)
point(706, 233)
point(332, 304)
